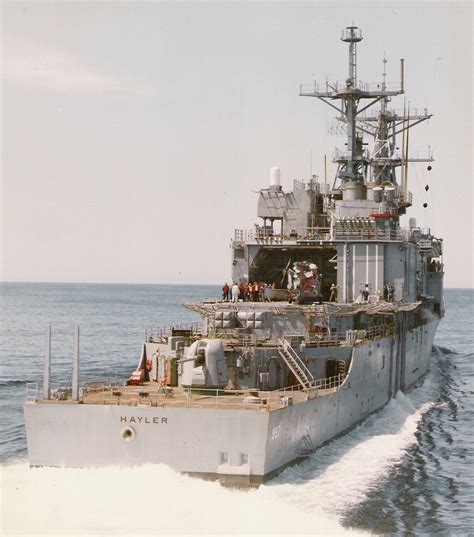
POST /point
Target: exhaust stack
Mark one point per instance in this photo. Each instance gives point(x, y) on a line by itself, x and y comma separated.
point(47, 365)
point(75, 367)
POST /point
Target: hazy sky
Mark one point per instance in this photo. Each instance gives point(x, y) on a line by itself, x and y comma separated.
point(134, 135)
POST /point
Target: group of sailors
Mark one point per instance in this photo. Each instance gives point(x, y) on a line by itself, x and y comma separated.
point(255, 292)
point(363, 298)
point(247, 292)
point(388, 294)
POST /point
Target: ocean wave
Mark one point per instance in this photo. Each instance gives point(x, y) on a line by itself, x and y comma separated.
point(439, 350)
point(13, 382)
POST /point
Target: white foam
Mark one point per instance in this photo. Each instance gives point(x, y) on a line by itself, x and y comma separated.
point(147, 500)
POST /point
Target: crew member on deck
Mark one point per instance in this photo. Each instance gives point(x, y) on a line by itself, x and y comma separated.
point(235, 292)
point(225, 293)
point(365, 292)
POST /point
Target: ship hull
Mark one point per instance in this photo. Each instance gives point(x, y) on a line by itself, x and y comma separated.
point(250, 444)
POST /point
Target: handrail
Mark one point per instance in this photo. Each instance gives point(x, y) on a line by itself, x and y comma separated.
point(248, 399)
point(354, 232)
point(349, 336)
point(355, 229)
point(320, 384)
point(162, 332)
point(333, 88)
point(312, 339)
point(347, 229)
point(267, 237)
point(294, 362)
point(32, 392)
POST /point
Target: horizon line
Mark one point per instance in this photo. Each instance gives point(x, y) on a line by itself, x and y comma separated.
point(143, 283)
point(102, 283)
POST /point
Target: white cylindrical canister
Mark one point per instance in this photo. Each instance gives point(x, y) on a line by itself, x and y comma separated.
point(275, 174)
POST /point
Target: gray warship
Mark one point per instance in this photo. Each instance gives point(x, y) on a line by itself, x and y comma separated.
point(266, 378)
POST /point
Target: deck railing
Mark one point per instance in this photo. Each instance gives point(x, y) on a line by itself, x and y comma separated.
point(63, 392)
point(160, 333)
point(338, 338)
point(248, 399)
point(323, 339)
point(317, 384)
point(345, 229)
point(267, 237)
point(330, 89)
point(32, 391)
point(353, 230)
point(163, 396)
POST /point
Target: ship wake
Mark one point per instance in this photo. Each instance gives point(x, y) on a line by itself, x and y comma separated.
point(339, 475)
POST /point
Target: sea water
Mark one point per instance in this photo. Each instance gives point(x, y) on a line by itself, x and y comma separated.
point(406, 470)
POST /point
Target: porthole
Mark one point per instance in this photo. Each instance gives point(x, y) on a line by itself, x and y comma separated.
point(128, 434)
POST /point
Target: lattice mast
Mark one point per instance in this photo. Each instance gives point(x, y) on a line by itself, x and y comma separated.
point(358, 170)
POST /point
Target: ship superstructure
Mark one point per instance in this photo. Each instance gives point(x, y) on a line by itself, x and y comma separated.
point(265, 379)
point(352, 230)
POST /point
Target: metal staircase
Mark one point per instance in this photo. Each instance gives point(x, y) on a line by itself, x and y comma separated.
point(294, 362)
